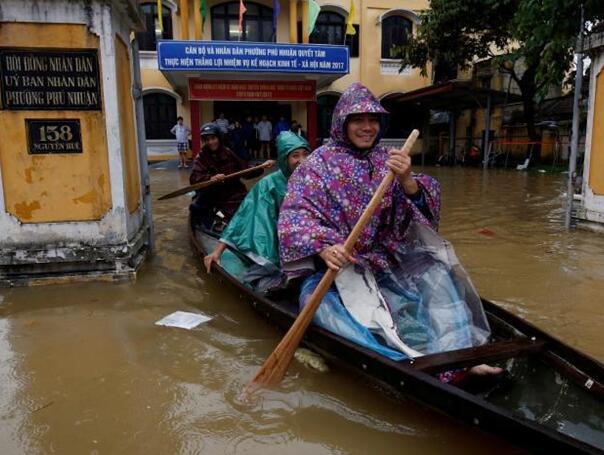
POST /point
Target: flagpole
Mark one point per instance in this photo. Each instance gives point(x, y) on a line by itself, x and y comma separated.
point(350, 30)
point(293, 21)
point(574, 142)
point(242, 11)
point(160, 18)
point(305, 32)
point(276, 13)
point(198, 20)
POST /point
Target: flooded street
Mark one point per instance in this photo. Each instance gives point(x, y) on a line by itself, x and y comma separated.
point(84, 370)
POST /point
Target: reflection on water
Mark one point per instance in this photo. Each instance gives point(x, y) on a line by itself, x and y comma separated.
point(83, 368)
point(531, 265)
point(539, 393)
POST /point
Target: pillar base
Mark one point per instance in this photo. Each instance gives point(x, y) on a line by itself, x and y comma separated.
point(73, 263)
point(590, 226)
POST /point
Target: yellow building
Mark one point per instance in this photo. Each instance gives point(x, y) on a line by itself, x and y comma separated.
point(72, 200)
point(379, 25)
point(592, 203)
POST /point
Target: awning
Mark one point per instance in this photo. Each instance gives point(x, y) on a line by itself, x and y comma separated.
point(180, 61)
point(453, 95)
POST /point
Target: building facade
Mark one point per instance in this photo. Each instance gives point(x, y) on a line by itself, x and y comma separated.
point(72, 194)
point(379, 24)
point(591, 211)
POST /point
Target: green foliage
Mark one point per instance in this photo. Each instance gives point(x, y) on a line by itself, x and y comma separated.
point(532, 40)
point(540, 33)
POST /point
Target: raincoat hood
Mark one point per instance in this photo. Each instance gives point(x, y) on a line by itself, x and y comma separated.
point(287, 142)
point(253, 229)
point(357, 99)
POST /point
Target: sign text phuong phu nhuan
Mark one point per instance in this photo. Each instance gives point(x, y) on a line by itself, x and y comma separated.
point(49, 79)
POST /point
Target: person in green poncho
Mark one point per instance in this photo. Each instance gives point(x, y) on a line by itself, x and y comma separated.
point(253, 228)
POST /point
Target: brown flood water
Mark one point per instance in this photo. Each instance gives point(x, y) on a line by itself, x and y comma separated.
point(84, 370)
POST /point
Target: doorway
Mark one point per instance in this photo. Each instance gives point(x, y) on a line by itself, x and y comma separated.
point(239, 110)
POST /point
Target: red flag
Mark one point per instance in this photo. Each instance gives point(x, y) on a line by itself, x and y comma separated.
point(242, 11)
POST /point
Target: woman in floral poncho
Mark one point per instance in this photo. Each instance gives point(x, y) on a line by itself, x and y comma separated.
point(429, 298)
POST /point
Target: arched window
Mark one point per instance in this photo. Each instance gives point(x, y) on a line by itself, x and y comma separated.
point(396, 31)
point(146, 40)
point(329, 29)
point(257, 22)
point(326, 103)
point(160, 115)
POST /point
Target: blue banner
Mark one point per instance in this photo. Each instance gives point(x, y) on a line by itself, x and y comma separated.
point(251, 57)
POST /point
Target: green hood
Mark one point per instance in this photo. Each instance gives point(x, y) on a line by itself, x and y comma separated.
point(287, 142)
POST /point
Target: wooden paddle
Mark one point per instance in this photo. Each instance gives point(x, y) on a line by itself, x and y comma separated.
point(199, 186)
point(275, 366)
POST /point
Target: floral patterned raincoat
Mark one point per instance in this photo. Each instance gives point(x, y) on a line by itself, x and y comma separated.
point(329, 191)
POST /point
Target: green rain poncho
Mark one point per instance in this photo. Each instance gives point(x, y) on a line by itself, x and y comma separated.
point(253, 228)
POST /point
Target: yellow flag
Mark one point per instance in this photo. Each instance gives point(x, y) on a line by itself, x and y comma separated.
point(349, 27)
point(159, 16)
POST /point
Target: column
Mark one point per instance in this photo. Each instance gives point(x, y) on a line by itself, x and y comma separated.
point(195, 127)
point(452, 135)
point(487, 133)
point(198, 33)
point(184, 19)
point(311, 120)
point(305, 21)
point(293, 21)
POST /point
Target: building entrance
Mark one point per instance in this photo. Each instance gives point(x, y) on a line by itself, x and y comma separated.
point(247, 145)
point(240, 110)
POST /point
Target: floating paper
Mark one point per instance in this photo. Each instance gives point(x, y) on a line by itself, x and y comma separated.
point(183, 320)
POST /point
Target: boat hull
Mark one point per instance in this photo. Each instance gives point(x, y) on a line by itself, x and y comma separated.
point(417, 379)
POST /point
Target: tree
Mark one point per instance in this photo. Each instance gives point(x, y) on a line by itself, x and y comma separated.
point(532, 40)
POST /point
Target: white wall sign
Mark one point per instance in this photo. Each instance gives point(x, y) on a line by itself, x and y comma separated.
point(391, 68)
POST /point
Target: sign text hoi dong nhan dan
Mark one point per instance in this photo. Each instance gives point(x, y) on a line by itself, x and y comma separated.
point(49, 79)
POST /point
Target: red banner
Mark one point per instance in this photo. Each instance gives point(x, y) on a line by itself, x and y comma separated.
point(252, 90)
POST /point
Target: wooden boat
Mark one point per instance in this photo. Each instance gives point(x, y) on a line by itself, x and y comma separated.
point(551, 398)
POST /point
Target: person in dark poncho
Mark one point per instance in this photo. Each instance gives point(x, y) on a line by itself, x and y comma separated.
point(220, 201)
point(249, 136)
point(236, 134)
